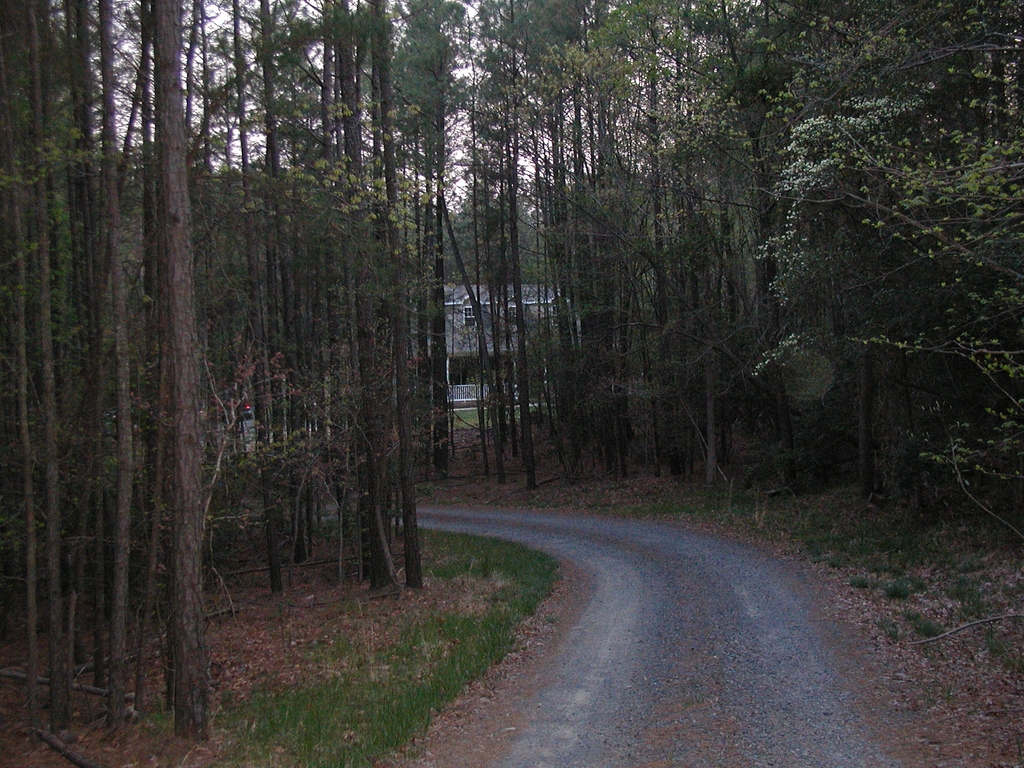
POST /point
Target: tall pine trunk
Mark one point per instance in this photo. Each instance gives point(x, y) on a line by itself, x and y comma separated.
point(60, 682)
point(17, 236)
point(272, 316)
point(117, 668)
point(400, 325)
point(189, 651)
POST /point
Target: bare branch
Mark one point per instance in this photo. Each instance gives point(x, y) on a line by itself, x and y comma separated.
point(989, 620)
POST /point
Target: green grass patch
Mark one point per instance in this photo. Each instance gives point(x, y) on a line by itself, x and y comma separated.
point(968, 593)
point(466, 418)
point(902, 588)
point(890, 628)
point(897, 590)
point(861, 582)
point(1012, 658)
point(373, 703)
point(923, 626)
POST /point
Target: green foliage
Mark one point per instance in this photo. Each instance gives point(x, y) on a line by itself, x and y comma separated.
point(901, 180)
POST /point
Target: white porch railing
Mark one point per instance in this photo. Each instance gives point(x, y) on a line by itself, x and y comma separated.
point(460, 395)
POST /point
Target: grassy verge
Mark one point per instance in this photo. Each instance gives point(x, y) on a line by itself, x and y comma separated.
point(372, 696)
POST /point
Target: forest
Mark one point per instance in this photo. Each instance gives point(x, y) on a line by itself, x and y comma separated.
point(779, 243)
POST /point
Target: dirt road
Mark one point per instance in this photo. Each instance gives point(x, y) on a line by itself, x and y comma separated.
point(688, 651)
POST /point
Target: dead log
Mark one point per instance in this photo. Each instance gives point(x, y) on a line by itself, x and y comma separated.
point(65, 751)
point(261, 569)
point(17, 674)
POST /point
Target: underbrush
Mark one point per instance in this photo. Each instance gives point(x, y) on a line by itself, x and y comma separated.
point(377, 688)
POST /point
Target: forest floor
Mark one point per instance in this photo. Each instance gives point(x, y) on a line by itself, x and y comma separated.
point(969, 687)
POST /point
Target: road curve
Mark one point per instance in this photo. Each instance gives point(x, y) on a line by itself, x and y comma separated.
point(691, 651)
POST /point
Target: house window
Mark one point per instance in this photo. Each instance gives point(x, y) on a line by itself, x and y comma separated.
point(468, 316)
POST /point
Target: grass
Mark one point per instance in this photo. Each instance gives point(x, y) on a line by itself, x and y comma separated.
point(377, 700)
point(466, 417)
point(890, 628)
point(925, 627)
point(900, 589)
point(1011, 657)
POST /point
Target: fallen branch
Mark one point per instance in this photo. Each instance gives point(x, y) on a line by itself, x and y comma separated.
point(388, 592)
point(65, 751)
point(989, 620)
point(260, 569)
point(17, 674)
point(222, 612)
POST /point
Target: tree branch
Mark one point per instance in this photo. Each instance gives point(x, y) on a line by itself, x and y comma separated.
point(989, 620)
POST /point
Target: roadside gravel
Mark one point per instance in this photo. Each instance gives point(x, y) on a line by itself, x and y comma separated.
point(687, 651)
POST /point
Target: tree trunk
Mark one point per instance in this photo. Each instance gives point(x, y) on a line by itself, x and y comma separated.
point(60, 682)
point(865, 425)
point(438, 339)
point(401, 340)
point(399, 317)
point(522, 364)
point(711, 421)
point(155, 435)
point(17, 236)
point(273, 336)
point(787, 443)
point(117, 672)
point(189, 652)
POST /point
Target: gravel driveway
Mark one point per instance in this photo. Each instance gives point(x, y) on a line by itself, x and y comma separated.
point(691, 651)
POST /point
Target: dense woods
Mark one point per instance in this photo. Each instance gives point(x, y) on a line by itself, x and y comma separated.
point(780, 245)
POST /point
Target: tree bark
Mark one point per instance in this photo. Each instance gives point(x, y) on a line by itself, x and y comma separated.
point(711, 422)
point(478, 311)
point(155, 440)
point(17, 236)
point(117, 672)
point(865, 425)
point(399, 319)
point(522, 361)
point(189, 652)
point(438, 338)
point(401, 339)
point(274, 304)
point(65, 751)
point(60, 689)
